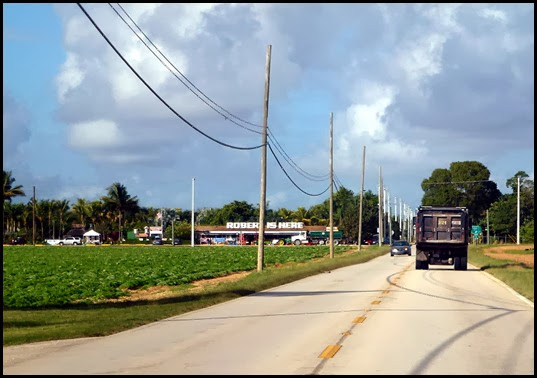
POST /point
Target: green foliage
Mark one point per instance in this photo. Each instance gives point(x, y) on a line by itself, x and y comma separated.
point(502, 216)
point(11, 191)
point(465, 184)
point(527, 232)
point(54, 276)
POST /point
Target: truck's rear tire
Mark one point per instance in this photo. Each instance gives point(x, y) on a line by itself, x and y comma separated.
point(464, 263)
point(297, 242)
point(422, 265)
point(460, 263)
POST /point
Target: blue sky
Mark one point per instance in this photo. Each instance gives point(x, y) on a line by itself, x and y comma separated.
point(419, 85)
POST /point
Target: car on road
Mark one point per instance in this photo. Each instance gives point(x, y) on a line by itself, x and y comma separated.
point(176, 241)
point(18, 240)
point(158, 241)
point(400, 247)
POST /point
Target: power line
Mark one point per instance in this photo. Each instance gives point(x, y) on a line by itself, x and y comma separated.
point(454, 182)
point(271, 136)
point(155, 93)
point(164, 56)
point(309, 194)
point(294, 165)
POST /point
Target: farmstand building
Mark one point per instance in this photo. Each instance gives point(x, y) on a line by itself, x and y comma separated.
point(247, 233)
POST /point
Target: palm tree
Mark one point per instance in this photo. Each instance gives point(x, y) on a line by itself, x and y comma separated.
point(62, 206)
point(120, 202)
point(81, 209)
point(40, 213)
point(11, 191)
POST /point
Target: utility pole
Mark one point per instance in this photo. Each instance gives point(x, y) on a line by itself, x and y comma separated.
point(389, 219)
point(192, 221)
point(261, 237)
point(380, 206)
point(361, 200)
point(33, 219)
point(488, 228)
point(518, 212)
point(331, 189)
point(383, 213)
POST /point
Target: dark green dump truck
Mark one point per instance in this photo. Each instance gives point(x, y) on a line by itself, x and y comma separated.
point(323, 237)
point(442, 237)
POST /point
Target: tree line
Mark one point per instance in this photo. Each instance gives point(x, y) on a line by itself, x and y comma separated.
point(463, 184)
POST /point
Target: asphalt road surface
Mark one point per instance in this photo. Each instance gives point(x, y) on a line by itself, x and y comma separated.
point(381, 317)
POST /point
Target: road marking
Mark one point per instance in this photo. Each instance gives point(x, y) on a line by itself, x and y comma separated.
point(359, 319)
point(330, 351)
point(375, 302)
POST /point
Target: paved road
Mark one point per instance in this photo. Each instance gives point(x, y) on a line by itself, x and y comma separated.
point(381, 317)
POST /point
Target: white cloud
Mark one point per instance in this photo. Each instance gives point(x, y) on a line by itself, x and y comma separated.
point(493, 14)
point(71, 76)
point(95, 134)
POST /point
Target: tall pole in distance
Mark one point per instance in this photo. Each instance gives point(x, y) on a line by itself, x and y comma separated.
point(192, 221)
point(331, 188)
point(33, 219)
point(262, 197)
point(518, 212)
point(389, 218)
point(361, 200)
point(488, 228)
point(380, 206)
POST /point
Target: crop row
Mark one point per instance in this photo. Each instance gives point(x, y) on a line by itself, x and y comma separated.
point(49, 276)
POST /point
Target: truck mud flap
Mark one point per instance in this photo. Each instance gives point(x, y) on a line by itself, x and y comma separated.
point(420, 255)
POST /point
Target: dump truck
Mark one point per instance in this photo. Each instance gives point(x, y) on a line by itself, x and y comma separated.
point(442, 235)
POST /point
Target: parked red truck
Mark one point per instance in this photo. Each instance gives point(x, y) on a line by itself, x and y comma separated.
point(442, 237)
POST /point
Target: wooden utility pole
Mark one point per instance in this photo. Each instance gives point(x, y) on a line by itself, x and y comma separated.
point(361, 200)
point(331, 189)
point(261, 237)
point(33, 219)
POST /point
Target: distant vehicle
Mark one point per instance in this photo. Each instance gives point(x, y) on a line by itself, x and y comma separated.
point(18, 240)
point(400, 247)
point(316, 237)
point(158, 241)
point(70, 240)
point(442, 237)
point(375, 240)
point(176, 241)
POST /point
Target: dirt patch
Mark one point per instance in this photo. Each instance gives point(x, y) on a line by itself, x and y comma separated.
point(160, 292)
point(499, 252)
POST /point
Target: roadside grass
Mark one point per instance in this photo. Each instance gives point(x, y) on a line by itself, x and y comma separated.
point(517, 275)
point(100, 319)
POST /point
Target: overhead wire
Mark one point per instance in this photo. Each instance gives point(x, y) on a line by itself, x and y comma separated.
point(293, 164)
point(156, 94)
point(454, 182)
point(178, 78)
point(290, 179)
point(270, 134)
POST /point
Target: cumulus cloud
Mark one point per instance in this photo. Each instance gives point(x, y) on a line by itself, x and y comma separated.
point(421, 85)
